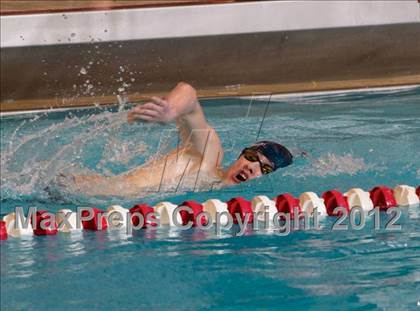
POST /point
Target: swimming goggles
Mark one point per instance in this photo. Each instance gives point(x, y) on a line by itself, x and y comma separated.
point(252, 156)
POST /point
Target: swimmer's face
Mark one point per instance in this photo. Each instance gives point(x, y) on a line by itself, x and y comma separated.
point(243, 170)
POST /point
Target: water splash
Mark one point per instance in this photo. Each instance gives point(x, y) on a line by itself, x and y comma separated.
point(331, 164)
point(39, 149)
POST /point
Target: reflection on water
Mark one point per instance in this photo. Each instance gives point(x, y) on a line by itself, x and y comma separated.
point(353, 268)
point(74, 245)
point(353, 140)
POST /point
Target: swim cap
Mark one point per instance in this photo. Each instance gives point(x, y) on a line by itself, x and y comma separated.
point(279, 155)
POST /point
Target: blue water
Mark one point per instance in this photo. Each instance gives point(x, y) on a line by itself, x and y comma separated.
point(354, 139)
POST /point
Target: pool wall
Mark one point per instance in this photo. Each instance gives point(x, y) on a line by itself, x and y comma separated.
point(56, 60)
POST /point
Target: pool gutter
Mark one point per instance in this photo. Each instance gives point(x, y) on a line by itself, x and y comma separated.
point(258, 97)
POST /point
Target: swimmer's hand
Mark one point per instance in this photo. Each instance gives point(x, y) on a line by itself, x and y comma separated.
point(181, 102)
point(157, 110)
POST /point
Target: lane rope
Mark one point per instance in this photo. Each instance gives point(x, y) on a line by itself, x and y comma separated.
point(213, 209)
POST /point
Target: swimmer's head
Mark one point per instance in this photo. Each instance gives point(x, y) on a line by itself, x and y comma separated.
point(259, 159)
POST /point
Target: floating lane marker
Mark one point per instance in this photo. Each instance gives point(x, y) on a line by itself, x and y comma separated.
point(3, 230)
point(117, 215)
point(309, 201)
point(10, 223)
point(165, 210)
point(71, 220)
point(142, 211)
point(406, 195)
point(382, 197)
point(241, 207)
point(214, 207)
point(187, 217)
point(143, 215)
point(334, 199)
point(261, 204)
point(95, 219)
point(288, 204)
point(44, 224)
point(360, 198)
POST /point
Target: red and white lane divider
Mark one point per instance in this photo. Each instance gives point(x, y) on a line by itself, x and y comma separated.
point(334, 199)
point(264, 208)
point(406, 195)
point(217, 211)
point(359, 197)
point(3, 230)
point(142, 213)
point(71, 223)
point(15, 230)
point(260, 208)
point(309, 201)
point(44, 225)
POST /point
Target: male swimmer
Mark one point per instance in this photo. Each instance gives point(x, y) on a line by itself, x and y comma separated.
point(196, 164)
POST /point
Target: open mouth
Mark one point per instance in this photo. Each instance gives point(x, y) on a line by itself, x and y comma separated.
point(241, 177)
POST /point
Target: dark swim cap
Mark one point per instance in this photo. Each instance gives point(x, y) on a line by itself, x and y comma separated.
point(279, 155)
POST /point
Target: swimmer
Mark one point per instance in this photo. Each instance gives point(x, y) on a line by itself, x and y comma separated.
point(197, 163)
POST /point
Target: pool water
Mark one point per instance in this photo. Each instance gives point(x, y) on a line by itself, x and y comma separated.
point(353, 139)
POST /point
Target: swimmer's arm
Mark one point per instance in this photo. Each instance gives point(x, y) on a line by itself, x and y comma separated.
point(195, 130)
point(182, 105)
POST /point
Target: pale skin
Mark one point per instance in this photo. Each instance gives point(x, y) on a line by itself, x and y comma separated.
point(199, 156)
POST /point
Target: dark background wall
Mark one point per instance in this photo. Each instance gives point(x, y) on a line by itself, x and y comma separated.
point(259, 63)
